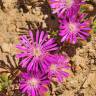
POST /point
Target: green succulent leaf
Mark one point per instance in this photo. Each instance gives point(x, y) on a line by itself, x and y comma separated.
point(94, 26)
point(1, 87)
point(47, 94)
point(4, 81)
point(4, 77)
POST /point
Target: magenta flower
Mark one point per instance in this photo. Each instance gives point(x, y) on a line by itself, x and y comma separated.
point(35, 51)
point(69, 7)
point(59, 67)
point(34, 84)
point(74, 28)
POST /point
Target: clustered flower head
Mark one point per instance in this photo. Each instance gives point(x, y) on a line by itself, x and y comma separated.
point(74, 28)
point(34, 84)
point(59, 67)
point(35, 51)
point(41, 62)
point(65, 7)
point(40, 55)
point(73, 25)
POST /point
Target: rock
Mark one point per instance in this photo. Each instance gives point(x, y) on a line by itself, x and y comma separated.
point(5, 47)
point(91, 81)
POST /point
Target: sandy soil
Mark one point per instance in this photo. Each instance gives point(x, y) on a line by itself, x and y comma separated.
point(15, 18)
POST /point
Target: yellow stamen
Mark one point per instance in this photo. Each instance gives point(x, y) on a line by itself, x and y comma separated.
point(72, 27)
point(53, 67)
point(69, 3)
point(37, 52)
point(33, 82)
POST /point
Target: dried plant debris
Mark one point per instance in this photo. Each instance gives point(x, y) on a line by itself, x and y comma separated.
point(26, 5)
point(8, 74)
point(8, 63)
point(1, 5)
point(16, 18)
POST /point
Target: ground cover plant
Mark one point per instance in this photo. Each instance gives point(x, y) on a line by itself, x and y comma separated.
point(48, 48)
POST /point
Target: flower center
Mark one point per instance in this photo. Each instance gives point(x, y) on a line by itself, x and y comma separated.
point(37, 52)
point(72, 27)
point(69, 3)
point(53, 67)
point(33, 82)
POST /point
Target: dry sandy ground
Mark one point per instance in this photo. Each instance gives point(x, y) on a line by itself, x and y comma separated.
point(14, 20)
